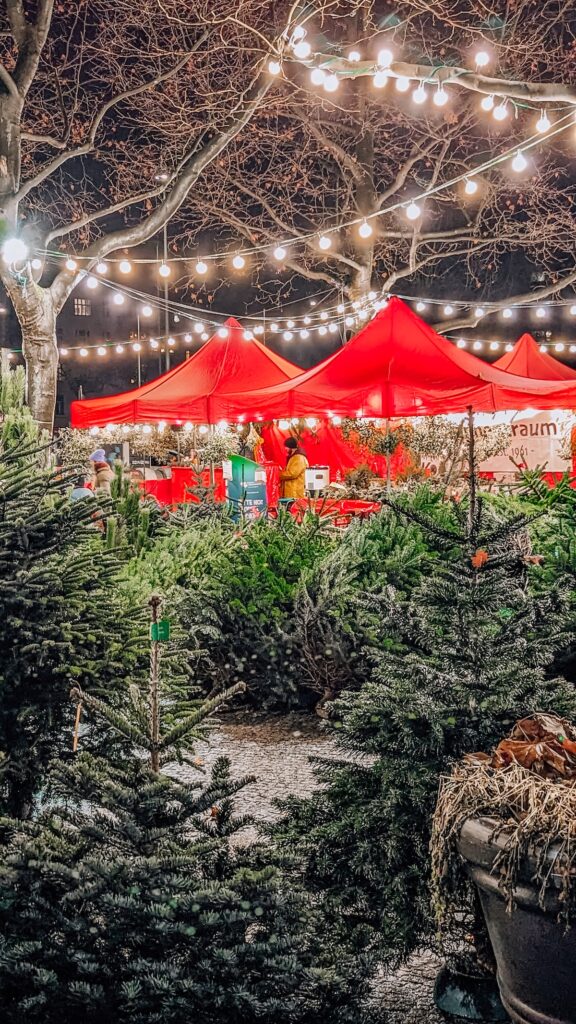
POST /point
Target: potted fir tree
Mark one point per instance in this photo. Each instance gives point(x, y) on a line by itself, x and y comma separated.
point(507, 823)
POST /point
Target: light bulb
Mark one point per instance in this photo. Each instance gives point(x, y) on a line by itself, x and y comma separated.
point(322, 330)
point(448, 310)
point(543, 123)
point(136, 347)
point(83, 352)
point(542, 348)
point(507, 314)
point(101, 350)
point(323, 315)
point(573, 348)
point(380, 79)
point(274, 67)
point(101, 268)
point(287, 335)
point(500, 112)
point(171, 342)
point(519, 162)
point(349, 321)
point(63, 351)
point(274, 328)
point(302, 50)
point(201, 267)
point(279, 252)
point(461, 343)
point(487, 103)
point(238, 262)
point(494, 346)
point(204, 336)
point(14, 250)
point(307, 320)
point(248, 336)
point(482, 58)
point(478, 312)
point(161, 426)
point(324, 242)
point(572, 310)
point(222, 332)
point(36, 264)
point(199, 327)
point(402, 83)
point(147, 310)
point(441, 97)
point(125, 266)
point(331, 83)
point(385, 58)
point(290, 324)
point(365, 229)
point(508, 347)
point(334, 327)
point(541, 312)
point(118, 299)
point(419, 95)
point(310, 421)
point(559, 347)
point(187, 338)
point(119, 349)
point(317, 76)
point(413, 211)
point(259, 329)
point(164, 270)
point(153, 343)
point(70, 264)
point(471, 187)
point(372, 295)
point(354, 56)
point(92, 282)
point(298, 33)
point(477, 345)
point(420, 307)
point(304, 334)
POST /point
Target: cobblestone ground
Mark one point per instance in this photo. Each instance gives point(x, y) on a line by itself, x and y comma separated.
point(277, 751)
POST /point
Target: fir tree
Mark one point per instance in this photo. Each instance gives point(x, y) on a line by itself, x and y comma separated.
point(62, 619)
point(472, 646)
point(125, 900)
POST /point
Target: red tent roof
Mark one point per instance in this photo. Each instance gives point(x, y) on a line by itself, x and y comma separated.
point(192, 391)
point(527, 360)
point(399, 366)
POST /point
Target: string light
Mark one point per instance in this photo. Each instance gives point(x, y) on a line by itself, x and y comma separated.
point(402, 83)
point(541, 312)
point(494, 346)
point(222, 332)
point(164, 270)
point(83, 352)
point(448, 310)
point(500, 112)
point(507, 313)
point(324, 242)
point(171, 342)
point(413, 211)
point(287, 335)
point(63, 351)
point(380, 79)
point(199, 327)
point(101, 350)
point(322, 330)
point(385, 58)
point(279, 253)
point(479, 312)
point(354, 56)
point(331, 83)
point(36, 264)
point(119, 349)
point(477, 345)
point(543, 124)
point(101, 268)
point(572, 310)
point(519, 162)
point(482, 59)
point(487, 103)
point(461, 343)
point(471, 187)
point(71, 264)
point(137, 347)
point(420, 306)
point(365, 229)
point(124, 266)
point(92, 282)
point(509, 347)
point(238, 262)
point(441, 97)
point(147, 310)
point(201, 267)
point(274, 67)
point(419, 95)
point(559, 347)
point(304, 334)
point(154, 343)
point(302, 50)
point(118, 299)
point(317, 76)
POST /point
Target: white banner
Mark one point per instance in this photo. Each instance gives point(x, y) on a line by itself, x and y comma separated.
point(538, 439)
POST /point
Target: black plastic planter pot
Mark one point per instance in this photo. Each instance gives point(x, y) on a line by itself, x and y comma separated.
point(536, 957)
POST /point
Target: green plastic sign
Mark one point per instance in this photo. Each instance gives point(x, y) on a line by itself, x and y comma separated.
point(160, 631)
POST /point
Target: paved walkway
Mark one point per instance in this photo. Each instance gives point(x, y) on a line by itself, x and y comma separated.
point(277, 751)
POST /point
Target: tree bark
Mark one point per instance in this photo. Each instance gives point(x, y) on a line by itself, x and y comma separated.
point(34, 307)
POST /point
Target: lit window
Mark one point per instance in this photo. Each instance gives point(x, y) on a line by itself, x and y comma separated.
point(82, 307)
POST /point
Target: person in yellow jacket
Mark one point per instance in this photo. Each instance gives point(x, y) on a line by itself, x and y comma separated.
point(293, 478)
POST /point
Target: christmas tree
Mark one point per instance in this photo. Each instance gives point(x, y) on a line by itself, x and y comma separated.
point(62, 619)
point(125, 900)
point(469, 656)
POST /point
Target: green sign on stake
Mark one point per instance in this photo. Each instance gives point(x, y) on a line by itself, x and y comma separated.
point(160, 631)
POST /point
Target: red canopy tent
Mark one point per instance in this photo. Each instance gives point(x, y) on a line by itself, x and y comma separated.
point(399, 366)
point(193, 390)
point(527, 360)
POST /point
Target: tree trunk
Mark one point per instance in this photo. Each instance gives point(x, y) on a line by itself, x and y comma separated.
point(34, 308)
